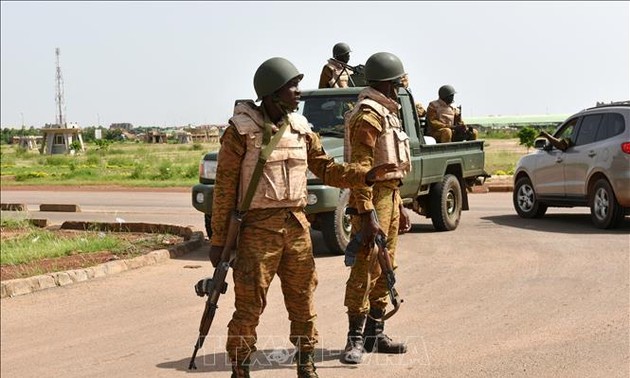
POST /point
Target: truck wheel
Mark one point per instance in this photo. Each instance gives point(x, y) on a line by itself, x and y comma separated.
point(524, 200)
point(335, 226)
point(446, 204)
point(208, 223)
point(605, 210)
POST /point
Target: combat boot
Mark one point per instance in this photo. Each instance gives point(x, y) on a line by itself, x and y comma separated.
point(240, 369)
point(353, 351)
point(375, 340)
point(306, 365)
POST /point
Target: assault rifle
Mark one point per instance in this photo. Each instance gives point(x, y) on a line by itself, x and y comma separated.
point(357, 79)
point(384, 261)
point(215, 286)
point(388, 270)
point(460, 131)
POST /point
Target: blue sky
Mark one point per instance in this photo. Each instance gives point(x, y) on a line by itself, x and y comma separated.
point(179, 63)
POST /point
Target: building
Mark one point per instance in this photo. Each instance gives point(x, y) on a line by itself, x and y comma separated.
point(58, 139)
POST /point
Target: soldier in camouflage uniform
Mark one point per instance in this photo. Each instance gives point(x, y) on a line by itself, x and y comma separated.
point(445, 120)
point(336, 73)
point(376, 137)
point(274, 236)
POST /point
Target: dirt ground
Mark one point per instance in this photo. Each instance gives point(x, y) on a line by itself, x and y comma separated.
point(144, 243)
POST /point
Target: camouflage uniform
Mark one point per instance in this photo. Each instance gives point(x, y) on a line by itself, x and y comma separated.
point(441, 118)
point(275, 237)
point(334, 76)
point(369, 128)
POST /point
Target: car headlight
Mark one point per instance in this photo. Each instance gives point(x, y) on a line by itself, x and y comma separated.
point(208, 169)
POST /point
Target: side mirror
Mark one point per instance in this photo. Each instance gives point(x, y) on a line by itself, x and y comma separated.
point(540, 143)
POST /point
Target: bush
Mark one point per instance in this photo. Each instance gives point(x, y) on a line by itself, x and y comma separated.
point(527, 136)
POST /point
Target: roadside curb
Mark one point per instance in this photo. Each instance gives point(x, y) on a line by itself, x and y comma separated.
point(192, 240)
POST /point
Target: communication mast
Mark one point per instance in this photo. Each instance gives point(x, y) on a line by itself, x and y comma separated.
point(59, 97)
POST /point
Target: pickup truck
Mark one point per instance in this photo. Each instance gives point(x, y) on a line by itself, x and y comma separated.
point(436, 187)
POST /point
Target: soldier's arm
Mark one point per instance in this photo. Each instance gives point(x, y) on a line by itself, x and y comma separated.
point(365, 130)
point(226, 183)
point(341, 175)
point(325, 77)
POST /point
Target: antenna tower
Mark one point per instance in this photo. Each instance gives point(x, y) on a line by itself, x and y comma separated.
point(59, 97)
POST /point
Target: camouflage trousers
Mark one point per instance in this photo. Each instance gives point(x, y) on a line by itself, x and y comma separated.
point(367, 287)
point(273, 241)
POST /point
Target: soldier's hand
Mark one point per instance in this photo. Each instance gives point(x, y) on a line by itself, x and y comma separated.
point(215, 254)
point(404, 223)
point(370, 228)
point(380, 171)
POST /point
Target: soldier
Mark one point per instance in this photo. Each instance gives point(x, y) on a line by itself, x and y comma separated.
point(376, 137)
point(274, 237)
point(336, 73)
point(445, 120)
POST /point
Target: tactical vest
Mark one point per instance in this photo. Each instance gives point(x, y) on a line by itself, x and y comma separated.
point(445, 113)
point(283, 181)
point(392, 146)
point(338, 72)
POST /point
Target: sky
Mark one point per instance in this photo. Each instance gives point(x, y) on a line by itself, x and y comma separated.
point(178, 63)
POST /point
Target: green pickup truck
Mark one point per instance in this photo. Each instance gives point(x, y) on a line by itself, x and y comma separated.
point(436, 187)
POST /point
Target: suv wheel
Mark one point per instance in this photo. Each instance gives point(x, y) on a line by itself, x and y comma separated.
point(605, 210)
point(336, 227)
point(524, 199)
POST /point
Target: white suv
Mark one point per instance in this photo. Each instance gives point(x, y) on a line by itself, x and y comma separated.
point(594, 171)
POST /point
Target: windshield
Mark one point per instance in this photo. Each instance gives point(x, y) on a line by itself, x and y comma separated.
point(326, 114)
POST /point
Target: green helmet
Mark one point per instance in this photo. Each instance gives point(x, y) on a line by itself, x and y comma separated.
point(445, 91)
point(340, 49)
point(272, 75)
point(383, 66)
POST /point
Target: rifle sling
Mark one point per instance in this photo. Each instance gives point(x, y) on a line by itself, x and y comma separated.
point(265, 151)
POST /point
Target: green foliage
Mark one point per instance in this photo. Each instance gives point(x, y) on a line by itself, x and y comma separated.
point(75, 146)
point(165, 170)
point(102, 144)
point(23, 176)
point(527, 136)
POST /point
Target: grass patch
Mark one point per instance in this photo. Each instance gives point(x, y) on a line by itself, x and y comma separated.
point(125, 163)
point(38, 244)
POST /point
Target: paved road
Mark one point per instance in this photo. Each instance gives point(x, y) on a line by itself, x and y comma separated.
point(500, 296)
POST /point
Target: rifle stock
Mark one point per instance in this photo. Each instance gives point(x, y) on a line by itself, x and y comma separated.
point(215, 286)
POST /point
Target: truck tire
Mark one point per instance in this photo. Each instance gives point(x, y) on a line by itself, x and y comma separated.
point(605, 210)
point(446, 203)
point(208, 223)
point(524, 200)
point(335, 226)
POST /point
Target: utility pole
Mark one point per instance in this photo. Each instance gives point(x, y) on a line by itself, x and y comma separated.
point(59, 97)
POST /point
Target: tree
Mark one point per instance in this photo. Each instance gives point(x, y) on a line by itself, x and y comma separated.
point(527, 135)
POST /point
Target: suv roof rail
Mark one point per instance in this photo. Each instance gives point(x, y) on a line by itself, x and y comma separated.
point(612, 103)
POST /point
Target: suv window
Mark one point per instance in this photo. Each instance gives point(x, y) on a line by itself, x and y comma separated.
point(326, 114)
point(588, 129)
point(567, 130)
point(613, 124)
